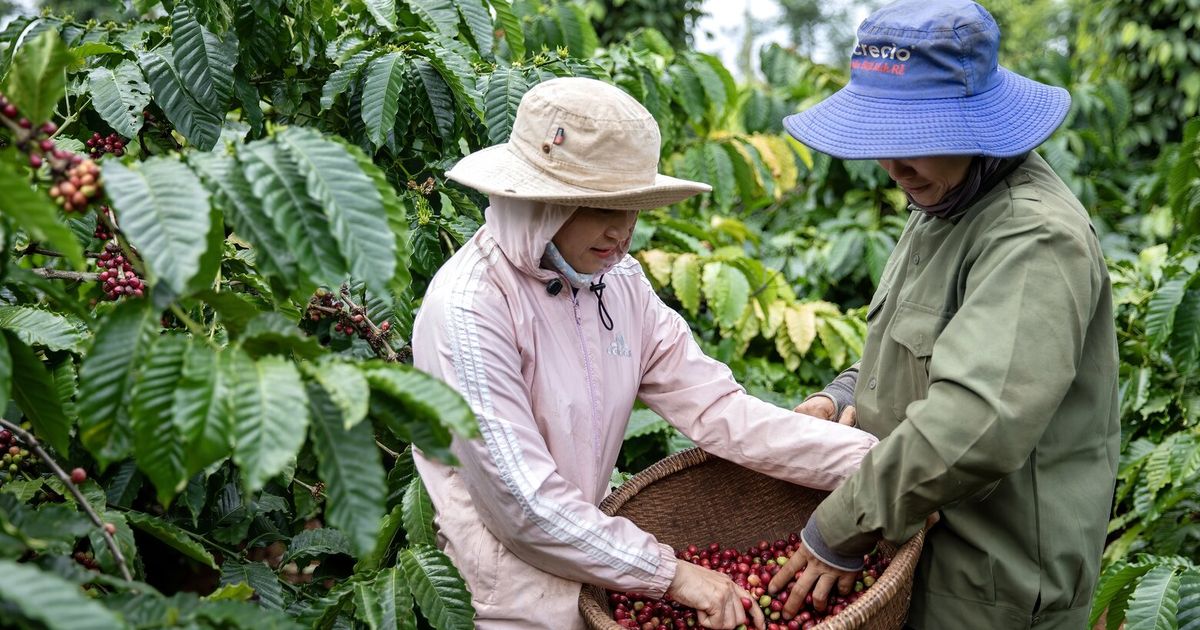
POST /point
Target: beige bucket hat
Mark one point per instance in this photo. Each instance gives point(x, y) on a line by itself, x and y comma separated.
point(579, 142)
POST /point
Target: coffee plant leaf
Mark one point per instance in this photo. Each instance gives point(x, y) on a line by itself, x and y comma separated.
point(281, 190)
point(34, 212)
point(395, 600)
point(727, 292)
point(1116, 579)
point(348, 462)
point(384, 12)
point(49, 599)
point(396, 209)
point(834, 346)
point(716, 84)
point(1155, 600)
point(345, 76)
point(351, 201)
point(687, 91)
point(258, 576)
point(106, 379)
point(439, 15)
point(271, 416)
point(854, 341)
point(200, 124)
point(321, 541)
point(37, 78)
point(234, 196)
point(52, 529)
point(685, 280)
point(120, 95)
point(233, 592)
point(478, 19)
point(158, 441)
point(438, 588)
point(439, 100)
point(510, 26)
point(124, 539)
point(235, 310)
point(35, 394)
point(1189, 601)
point(173, 536)
point(244, 615)
point(579, 36)
point(385, 78)
point(346, 386)
point(36, 326)
point(645, 422)
point(412, 426)
point(418, 514)
point(204, 61)
point(162, 208)
point(505, 87)
point(426, 397)
point(272, 333)
point(1160, 314)
point(389, 526)
point(1184, 343)
point(201, 409)
point(456, 70)
point(367, 608)
point(398, 476)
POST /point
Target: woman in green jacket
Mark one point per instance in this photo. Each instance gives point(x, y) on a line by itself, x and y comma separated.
point(990, 367)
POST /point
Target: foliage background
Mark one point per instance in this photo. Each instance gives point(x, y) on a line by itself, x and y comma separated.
point(254, 461)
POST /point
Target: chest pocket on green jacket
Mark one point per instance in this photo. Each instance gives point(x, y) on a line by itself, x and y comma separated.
point(905, 377)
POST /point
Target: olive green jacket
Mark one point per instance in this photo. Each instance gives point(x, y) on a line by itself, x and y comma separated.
point(990, 375)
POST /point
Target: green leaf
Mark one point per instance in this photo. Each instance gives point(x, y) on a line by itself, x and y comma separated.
point(578, 34)
point(322, 541)
point(234, 614)
point(395, 600)
point(644, 422)
point(35, 326)
point(173, 536)
point(37, 78)
point(343, 77)
point(388, 527)
point(418, 514)
point(162, 209)
point(366, 605)
point(685, 280)
point(439, 100)
point(106, 379)
point(505, 88)
point(346, 386)
point(35, 394)
point(348, 462)
point(1184, 344)
point(120, 95)
point(200, 124)
point(205, 62)
point(1189, 601)
point(33, 211)
point(426, 397)
point(260, 577)
point(457, 73)
point(277, 182)
point(385, 78)
point(510, 25)
point(123, 538)
point(51, 600)
point(200, 409)
point(234, 196)
point(477, 18)
point(397, 218)
point(727, 291)
point(384, 12)
point(438, 15)
point(270, 415)
point(6, 369)
point(1160, 312)
point(351, 201)
point(438, 588)
point(158, 443)
point(273, 333)
point(1155, 601)
point(833, 344)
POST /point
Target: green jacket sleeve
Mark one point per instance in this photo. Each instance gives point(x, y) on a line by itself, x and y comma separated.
point(997, 373)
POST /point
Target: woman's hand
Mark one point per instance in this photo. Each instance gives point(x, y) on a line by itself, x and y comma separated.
point(812, 575)
point(822, 407)
point(717, 600)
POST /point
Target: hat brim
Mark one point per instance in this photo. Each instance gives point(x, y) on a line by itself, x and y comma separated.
point(499, 171)
point(1009, 120)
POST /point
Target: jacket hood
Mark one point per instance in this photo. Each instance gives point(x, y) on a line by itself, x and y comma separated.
point(523, 228)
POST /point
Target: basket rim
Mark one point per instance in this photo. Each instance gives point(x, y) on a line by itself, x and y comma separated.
point(592, 599)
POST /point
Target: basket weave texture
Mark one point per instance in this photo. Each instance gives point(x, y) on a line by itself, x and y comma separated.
point(692, 497)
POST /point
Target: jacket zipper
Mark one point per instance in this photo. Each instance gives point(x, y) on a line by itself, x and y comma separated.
point(591, 380)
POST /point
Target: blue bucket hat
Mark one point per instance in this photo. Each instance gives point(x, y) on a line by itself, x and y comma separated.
point(925, 80)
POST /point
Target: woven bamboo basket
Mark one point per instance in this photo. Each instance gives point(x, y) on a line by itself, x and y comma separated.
point(695, 498)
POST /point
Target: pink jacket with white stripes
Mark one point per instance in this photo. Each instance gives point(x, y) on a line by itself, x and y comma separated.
point(553, 390)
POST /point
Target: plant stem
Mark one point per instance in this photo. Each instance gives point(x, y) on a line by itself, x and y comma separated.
point(378, 340)
point(42, 251)
point(387, 450)
point(196, 329)
point(311, 490)
point(28, 438)
point(56, 274)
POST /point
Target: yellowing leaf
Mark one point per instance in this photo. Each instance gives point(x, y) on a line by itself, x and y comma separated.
point(658, 263)
point(801, 321)
point(685, 279)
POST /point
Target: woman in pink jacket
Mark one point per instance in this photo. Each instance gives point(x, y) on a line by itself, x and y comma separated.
point(550, 330)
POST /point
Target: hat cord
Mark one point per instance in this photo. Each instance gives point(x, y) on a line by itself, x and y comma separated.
point(598, 289)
